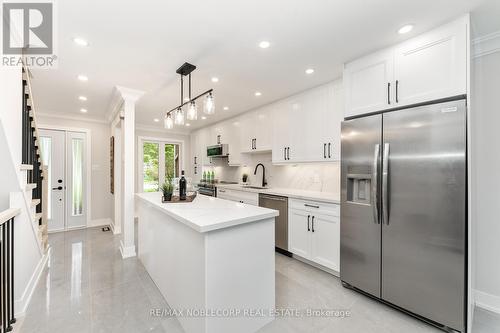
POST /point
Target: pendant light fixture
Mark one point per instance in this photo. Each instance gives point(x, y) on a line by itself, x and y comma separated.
point(179, 116)
point(169, 122)
point(209, 107)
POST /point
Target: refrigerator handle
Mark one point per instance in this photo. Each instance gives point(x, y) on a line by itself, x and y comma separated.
point(375, 183)
point(385, 186)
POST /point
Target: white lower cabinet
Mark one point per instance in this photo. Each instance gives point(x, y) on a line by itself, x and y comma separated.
point(314, 232)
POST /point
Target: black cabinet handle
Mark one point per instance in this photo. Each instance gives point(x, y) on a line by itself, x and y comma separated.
point(312, 206)
point(308, 218)
point(284, 153)
point(255, 143)
point(195, 171)
point(329, 150)
point(324, 150)
point(312, 224)
point(288, 153)
point(397, 91)
point(388, 93)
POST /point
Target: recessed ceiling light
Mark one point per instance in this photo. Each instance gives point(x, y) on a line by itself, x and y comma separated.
point(225, 108)
point(156, 120)
point(188, 124)
point(203, 117)
point(264, 44)
point(258, 93)
point(83, 110)
point(80, 41)
point(83, 78)
point(405, 29)
point(309, 71)
point(82, 98)
point(215, 79)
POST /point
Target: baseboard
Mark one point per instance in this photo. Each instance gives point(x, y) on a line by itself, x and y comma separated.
point(127, 251)
point(100, 222)
point(115, 230)
point(318, 266)
point(20, 305)
point(487, 301)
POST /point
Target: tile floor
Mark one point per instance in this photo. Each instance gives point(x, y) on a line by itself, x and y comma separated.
point(89, 288)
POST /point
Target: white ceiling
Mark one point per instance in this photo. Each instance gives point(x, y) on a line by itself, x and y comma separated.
point(140, 45)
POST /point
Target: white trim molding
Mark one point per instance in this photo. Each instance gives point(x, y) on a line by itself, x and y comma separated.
point(21, 304)
point(71, 117)
point(486, 44)
point(101, 222)
point(487, 301)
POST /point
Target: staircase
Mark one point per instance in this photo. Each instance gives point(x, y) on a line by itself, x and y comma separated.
point(34, 172)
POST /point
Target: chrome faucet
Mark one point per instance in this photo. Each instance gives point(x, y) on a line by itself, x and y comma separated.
point(264, 183)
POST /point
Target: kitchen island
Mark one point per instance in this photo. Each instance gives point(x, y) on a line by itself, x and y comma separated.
point(212, 259)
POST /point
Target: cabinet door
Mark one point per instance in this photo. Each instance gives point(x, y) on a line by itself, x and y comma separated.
point(332, 119)
point(233, 139)
point(281, 131)
point(204, 141)
point(309, 121)
point(263, 122)
point(433, 65)
point(367, 83)
point(195, 161)
point(325, 241)
point(249, 129)
point(298, 234)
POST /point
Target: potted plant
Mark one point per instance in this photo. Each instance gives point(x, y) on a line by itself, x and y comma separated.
point(167, 188)
point(245, 178)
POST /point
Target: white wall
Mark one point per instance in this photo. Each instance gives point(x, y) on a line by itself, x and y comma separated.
point(101, 198)
point(486, 169)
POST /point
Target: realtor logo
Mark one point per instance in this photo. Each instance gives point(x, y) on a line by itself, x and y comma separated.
point(28, 34)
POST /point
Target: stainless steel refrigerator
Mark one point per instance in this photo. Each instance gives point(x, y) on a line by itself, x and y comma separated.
point(404, 210)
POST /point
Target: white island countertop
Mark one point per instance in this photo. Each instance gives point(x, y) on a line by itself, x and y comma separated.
point(208, 213)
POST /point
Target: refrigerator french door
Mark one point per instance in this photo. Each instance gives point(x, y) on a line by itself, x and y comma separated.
point(403, 227)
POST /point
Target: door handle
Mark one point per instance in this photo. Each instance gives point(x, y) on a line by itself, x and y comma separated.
point(397, 91)
point(324, 150)
point(57, 188)
point(385, 185)
point(329, 150)
point(312, 222)
point(388, 93)
point(308, 221)
point(375, 183)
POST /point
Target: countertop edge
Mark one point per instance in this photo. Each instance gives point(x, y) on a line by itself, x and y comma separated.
point(279, 193)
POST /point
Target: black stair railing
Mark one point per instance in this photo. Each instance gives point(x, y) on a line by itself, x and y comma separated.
point(30, 142)
point(7, 318)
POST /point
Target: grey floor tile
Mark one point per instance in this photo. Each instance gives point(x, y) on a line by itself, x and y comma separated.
point(88, 288)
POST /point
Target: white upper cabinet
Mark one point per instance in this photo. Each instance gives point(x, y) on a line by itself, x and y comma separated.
point(306, 127)
point(368, 83)
point(432, 66)
point(256, 126)
point(425, 68)
point(233, 138)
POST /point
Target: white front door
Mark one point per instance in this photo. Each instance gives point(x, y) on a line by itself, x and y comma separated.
point(64, 154)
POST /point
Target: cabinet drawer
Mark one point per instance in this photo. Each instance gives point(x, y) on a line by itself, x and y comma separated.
point(315, 207)
point(239, 196)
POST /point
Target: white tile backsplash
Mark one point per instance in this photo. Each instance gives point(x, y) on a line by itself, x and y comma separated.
point(323, 177)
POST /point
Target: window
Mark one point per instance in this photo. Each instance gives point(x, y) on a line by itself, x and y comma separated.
point(77, 180)
point(157, 167)
point(46, 149)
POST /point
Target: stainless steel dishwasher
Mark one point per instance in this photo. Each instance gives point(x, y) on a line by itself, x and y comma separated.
point(281, 225)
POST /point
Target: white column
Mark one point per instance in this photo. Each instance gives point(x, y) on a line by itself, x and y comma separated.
point(130, 97)
point(117, 128)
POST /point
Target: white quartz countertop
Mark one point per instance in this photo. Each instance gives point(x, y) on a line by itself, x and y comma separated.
point(288, 192)
point(209, 213)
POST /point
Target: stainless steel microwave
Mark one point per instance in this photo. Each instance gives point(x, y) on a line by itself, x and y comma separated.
point(220, 150)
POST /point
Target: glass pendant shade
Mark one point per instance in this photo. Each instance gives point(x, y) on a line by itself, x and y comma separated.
point(179, 117)
point(169, 123)
point(209, 107)
point(192, 111)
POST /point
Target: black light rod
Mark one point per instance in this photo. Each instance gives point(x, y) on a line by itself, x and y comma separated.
point(195, 98)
